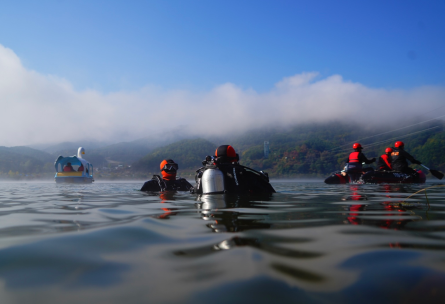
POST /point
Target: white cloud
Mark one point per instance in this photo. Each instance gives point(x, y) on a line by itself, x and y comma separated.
point(38, 108)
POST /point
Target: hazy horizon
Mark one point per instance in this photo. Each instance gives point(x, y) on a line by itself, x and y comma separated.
point(206, 69)
point(413, 125)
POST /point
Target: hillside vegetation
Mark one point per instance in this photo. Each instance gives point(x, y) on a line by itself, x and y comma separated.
point(16, 162)
point(305, 150)
point(319, 150)
point(188, 153)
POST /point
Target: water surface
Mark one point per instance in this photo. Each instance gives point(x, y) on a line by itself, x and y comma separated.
point(308, 243)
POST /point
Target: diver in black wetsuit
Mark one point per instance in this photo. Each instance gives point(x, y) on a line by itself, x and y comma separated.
point(399, 157)
point(224, 174)
point(168, 181)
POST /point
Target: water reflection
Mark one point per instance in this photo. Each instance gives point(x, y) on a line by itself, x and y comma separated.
point(165, 198)
point(389, 214)
point(311, 242)
point(217, 210)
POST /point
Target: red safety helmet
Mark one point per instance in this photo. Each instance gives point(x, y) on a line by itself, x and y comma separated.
point(357, 146)
point(388, 150)
point(399, 144)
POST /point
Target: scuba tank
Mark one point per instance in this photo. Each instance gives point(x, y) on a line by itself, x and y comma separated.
point(212, 181)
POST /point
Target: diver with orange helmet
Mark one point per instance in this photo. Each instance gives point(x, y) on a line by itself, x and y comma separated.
point(384, 162)
point(168, 181)
point(223, 174)
point(399, 157)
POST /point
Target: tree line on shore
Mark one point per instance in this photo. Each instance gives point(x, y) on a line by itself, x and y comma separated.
point(305, 150)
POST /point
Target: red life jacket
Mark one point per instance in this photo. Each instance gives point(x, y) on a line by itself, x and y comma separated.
point(353, 157)
point(385, 158)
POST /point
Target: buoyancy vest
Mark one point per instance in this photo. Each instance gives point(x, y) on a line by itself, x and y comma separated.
point(353, 157)
point(387, 161)
point(354, 164)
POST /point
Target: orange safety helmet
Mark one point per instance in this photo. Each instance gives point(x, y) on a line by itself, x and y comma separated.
point(399, 144)
point(388, 150)
point(357, 146)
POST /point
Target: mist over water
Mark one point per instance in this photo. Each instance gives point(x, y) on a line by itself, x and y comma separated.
point(40, 109)
point(318, 243)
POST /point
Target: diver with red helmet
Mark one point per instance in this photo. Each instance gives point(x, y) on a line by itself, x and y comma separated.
point(354, 162)
point(223, 174)
point(356, 159)
point(399, 157)
point(384, 162)
point(168, 181)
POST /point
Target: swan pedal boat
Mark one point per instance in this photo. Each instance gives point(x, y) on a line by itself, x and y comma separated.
point(83, 177)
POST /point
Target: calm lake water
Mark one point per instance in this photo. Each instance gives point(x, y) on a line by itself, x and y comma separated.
point(308, 243)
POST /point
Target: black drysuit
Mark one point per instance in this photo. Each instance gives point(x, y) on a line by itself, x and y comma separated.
point(157, 183)
point(238, 179)
point(399, 163)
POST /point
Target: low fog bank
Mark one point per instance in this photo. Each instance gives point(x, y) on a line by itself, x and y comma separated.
point(44, 109)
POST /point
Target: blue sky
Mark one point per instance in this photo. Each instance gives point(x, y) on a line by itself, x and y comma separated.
point(107, 70)
point(123, 45)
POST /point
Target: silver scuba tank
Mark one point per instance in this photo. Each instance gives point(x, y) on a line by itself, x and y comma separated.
point(212, 181)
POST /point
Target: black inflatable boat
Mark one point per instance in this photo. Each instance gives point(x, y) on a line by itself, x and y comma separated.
point(390, 177)
point(377, 177)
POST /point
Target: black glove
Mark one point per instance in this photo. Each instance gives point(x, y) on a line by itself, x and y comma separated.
point(417, 162)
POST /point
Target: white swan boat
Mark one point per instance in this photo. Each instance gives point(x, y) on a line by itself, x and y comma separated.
point(73, 169)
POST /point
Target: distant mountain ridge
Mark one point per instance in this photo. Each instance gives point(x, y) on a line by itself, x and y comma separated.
point(71, 147)
point(33, 153)
point(23, 160)
point(314, 149)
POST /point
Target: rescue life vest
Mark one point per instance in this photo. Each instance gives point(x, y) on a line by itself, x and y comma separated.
point(386, 160)
point(353, 157)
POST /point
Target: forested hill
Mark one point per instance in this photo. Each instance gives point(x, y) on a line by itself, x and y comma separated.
point(321, 149)
point(188, 153)
point(16, 161)
point(305, 150)
point(314, 150)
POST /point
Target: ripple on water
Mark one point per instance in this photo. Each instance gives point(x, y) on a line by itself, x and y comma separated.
point(110, 243)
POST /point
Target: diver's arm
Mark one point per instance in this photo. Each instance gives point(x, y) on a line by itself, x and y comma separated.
point(362, 158)
point(410, 158)
point(151, 185)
